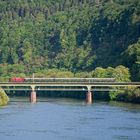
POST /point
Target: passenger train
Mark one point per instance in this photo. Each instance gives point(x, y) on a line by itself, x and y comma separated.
point(20, 79)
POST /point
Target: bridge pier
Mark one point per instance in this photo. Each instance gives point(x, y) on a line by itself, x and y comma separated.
point(33, 95)
point(89, 95)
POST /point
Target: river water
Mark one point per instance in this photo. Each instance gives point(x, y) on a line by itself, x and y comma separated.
point(69, 119)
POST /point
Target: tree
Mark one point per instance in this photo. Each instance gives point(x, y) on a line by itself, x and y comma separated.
point(99, 73)
point(121, 74)
point(132, 60)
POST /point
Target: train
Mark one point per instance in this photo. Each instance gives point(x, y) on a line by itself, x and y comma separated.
point(17, 79)
point(21, 80)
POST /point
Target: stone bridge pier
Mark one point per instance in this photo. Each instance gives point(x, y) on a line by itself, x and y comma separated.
point(33, 95)
point(89, 95)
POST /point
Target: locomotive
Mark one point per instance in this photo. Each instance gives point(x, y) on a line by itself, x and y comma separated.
point(17, 79)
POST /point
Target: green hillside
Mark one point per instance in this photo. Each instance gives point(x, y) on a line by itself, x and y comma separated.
point(69, 35)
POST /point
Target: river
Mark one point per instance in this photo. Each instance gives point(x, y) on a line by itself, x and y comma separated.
point(69, 119)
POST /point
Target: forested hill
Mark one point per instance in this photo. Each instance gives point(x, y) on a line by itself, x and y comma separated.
point(73, 35)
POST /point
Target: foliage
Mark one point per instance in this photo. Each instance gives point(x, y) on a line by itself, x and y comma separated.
point(120, 73)
point(132, 59)
point(3, 97)
point(53, 73)
point(64, 34)
point(83, 75)
point(129, 94)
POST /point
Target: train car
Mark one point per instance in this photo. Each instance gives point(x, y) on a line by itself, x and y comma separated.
point(17, 79)
point(89, 80)
point(68, 80)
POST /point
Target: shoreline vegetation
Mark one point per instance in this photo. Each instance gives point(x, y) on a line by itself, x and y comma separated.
point(4, 99)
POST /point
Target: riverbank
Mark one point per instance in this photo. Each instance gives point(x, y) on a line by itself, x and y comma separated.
point(129, 94)
point(4, 99)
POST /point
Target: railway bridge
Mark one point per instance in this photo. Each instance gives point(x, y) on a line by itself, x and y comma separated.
point(89, 85)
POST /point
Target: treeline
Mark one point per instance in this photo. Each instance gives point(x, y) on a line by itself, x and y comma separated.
point(120, 73)
point(75, 35)
point(67, 38)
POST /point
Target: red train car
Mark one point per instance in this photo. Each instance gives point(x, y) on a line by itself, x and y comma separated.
point(17, 79)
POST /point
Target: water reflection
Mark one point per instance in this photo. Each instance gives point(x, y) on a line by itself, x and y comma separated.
point(129, 106)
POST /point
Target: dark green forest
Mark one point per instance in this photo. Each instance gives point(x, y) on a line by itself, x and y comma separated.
point(69, 35)
point(67, 38)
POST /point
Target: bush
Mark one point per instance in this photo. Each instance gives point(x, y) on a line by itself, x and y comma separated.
point(128, 94)
point(4, 99)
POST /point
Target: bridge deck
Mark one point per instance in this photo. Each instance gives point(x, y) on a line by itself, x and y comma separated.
point(71, 84)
